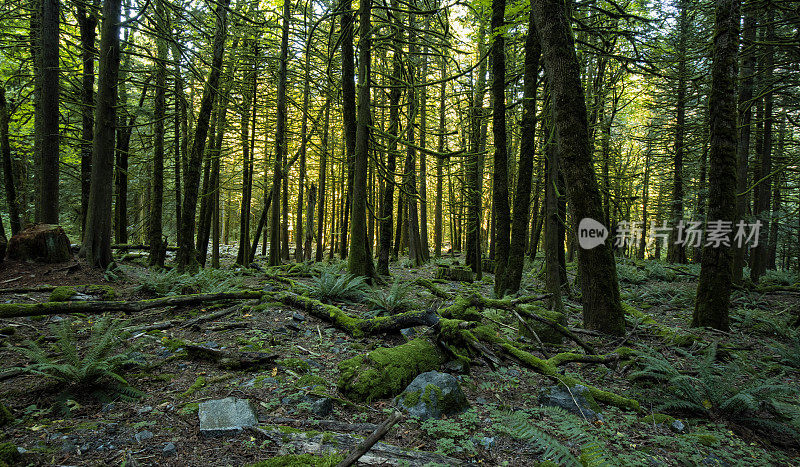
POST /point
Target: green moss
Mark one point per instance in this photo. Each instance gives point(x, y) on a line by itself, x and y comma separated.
point(546, 333)
point(385, 372)
point(411, 399)
point(199, 383)
point(310, 380)
point(105, 292)
point(6, 417)
point(62, 294)
point(295, 364)
point(189, 409)
point(302, 460)
point(173, 344)
point(657, 418)
point(706, 439)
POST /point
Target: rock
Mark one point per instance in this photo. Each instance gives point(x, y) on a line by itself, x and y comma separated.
point(292, 327)
point(713, 459)
point(431, 395)
point(145, 409)
point(409, 333)
point(109, 407)
point(298, 317)
point(557, 396)
point(677, 426)
point(225, 416)
point(68, 447)
point(322, 407)
point(41, 242)
point(169, 449)
point(143, 435)
point(454, 366)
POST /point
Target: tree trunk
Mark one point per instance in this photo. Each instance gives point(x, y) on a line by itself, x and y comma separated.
point(8, 167)
point(322, 175)
point(602, 310)
point(714, 284)
point(348, 116)
point(157, 251)
point(677, 250)
point(97, 237)
point(48, 112)
point(500, 183)
point(359, 261)
point(280, 141)
point(522, 195)
point(187, 254)
point(87, 24)
point(764, 178)
point(747, 78)
point(248, 106)
point(437, 214)
point(474, 163)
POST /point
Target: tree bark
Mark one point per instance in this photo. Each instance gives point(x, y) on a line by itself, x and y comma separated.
point(280, 141)
point(8, 167)
point(87, 24)
point(714, 284)
point(677, 252)
point(48, 112)
point(157, 252)
point(602, 310)
point(97, 237)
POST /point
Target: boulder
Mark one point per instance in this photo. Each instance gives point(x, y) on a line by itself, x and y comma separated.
point(431, 395)
point(577, 400)
point(226, 416)
point(44, 243)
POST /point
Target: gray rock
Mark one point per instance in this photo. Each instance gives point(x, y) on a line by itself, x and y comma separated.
point(577, 400)
point(143, 435)
point(486, 442)
point(409, 333)
point(292, 327)
point(145, 409)
point(431, 395)
point(68, 447)
point(322, 407)
point(677, 426)
point(454, 366)
point(169, 449)
point(298, 317)
point(226, 416)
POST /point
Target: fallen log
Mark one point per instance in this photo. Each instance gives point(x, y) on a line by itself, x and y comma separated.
point(14, 310)
point(327, 425)
point(229, 359)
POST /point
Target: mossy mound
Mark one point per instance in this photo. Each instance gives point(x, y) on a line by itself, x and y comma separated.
point(6, 416)
point(385, 372)
point(301, 460)
point(9, 455)
point(102, 292)
point(62, 294)
point(431, 395)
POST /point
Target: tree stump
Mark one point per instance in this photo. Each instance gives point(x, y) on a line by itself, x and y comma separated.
point(458, 273)
point(42, 242)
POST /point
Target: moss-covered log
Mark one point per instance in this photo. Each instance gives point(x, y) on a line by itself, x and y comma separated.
point(432, 288)
point(13, 310)
point(385, 372)
point(356, 327)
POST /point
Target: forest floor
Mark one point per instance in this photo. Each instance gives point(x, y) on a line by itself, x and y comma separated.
point(505, 425)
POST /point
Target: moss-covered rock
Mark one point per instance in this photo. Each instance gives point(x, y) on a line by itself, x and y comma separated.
point(295, 364)
point(62, 294)
point(546, 333)
point(9, 455)
point(385, 372)
point(301, 460)
point(431, 395)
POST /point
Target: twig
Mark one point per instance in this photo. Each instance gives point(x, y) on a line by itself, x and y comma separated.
point(371, 440)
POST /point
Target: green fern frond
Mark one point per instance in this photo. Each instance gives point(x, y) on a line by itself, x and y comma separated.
point(519, 426)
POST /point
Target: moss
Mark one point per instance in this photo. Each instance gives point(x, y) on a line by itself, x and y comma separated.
point(62, 294)
point(295, 364)
point(411, 399)
point(309, 380)
point(668, 334)
point(189, 409)
point(385, 372)
point(9, 455)
point(546, 333)
point(105, 292)
point(6, 417)
point(173, 344)
point(706, 439)
point(199, 383)
point(302, 460)
point(657, 418)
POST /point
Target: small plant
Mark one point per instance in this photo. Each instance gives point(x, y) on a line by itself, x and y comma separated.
point(656, 270)
point(630, 273)
point(333, 284)
point(171, 282)
point(394, 300)
point(93, 368)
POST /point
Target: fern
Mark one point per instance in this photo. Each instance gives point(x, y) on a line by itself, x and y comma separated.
point(333, 284)
point(519, 425)
point(394, 300)
point(165, 283)
point(96, 370)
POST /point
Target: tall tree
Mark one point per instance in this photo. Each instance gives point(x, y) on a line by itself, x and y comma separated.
point(602, 310)
point(677, 251)
point(359, 261)
point(714, 284)
point(87, 22)
point(522, 194)
point(97, 237)
point(8, 166)
point(187, 254)
point(157, 250)
point(47, 112)
point(280, 141)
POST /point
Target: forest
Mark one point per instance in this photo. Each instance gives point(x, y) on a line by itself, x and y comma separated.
point(400, 232)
